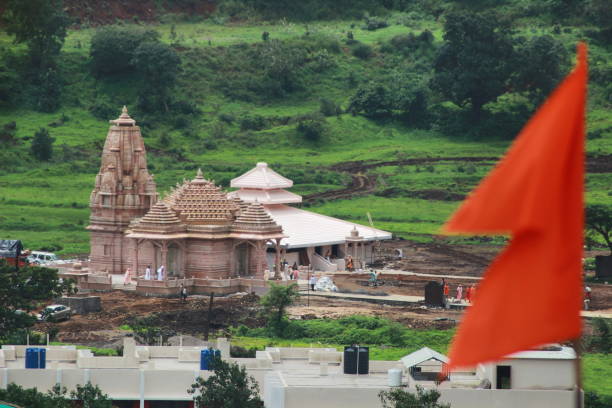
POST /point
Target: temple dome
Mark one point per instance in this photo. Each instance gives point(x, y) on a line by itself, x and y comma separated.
point(261, 177)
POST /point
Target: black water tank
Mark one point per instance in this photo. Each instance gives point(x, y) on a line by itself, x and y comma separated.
point(350, 360)
point(363, 360)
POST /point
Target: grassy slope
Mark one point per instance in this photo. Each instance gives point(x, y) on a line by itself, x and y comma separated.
point(45, 204)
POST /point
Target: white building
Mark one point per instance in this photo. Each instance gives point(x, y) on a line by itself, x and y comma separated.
point(156, 377)
point(312, 239)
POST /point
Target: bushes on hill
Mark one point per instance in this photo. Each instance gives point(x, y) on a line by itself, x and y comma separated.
point(362, 51)
point(312, 128)
point(113, 47)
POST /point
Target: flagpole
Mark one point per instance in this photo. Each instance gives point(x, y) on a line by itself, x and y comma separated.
point(577, 343)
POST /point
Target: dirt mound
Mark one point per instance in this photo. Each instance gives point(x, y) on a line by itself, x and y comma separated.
point(109, 11)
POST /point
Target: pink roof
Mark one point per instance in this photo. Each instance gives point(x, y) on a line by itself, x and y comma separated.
point(261, 177)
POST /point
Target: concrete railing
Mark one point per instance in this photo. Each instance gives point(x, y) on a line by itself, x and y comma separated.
point(329, 356)
point(321, 264)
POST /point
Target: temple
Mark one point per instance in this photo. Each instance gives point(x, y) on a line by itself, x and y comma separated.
point(201, 236)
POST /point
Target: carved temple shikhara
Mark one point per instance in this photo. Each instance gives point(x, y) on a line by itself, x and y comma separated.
point(205, 238)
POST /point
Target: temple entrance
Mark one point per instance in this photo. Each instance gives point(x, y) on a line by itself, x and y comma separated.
point(174, 261)
point(241, 253)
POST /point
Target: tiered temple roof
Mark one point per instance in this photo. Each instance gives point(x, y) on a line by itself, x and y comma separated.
point(201, 201)
point(160, 219)
point(264, 185)
point(255, 217)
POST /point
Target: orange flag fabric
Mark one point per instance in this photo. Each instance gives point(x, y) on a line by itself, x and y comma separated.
point(532, 293)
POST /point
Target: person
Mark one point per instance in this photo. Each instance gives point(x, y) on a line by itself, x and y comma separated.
point(349, 263)
point(313, 282)
point(472, 294)
point(160, 273)
point(183, 293)
point(468, 294)
point(296, 273)
point(266, 274)
point(446, 290)
point(328, 255)
point(127, 278)
point(148, 273)
point(459, 293)
point(587, 297)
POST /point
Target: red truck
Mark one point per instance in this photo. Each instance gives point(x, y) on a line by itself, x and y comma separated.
point(12, 251)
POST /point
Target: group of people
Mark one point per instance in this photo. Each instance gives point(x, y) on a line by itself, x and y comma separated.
point(468, 296)
point(127, 278)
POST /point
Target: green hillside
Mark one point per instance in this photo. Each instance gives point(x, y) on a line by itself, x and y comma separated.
point(307, 97)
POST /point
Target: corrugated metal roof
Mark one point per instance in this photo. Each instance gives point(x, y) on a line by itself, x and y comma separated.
point(422, 355)
point(261, 176)
point(306, 229)
point(562, 353)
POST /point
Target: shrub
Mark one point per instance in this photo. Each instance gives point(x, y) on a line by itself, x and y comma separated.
point(312, 129)
point(362, 51)
point(328, 107)
point(255, 122)
point(373, 99)
point(373, 24)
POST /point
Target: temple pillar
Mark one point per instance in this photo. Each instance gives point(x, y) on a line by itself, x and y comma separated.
point(135, 258)
point(164, 258)
point(277, 259)
point(258, 270)
point(232, 261)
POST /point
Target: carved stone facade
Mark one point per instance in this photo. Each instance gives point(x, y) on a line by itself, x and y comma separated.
point(123, 190)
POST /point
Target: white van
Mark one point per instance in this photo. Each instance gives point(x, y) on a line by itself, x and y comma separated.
point(42, 258)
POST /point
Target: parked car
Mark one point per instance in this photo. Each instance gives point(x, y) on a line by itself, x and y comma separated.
point(54, 313)
point(42, 258)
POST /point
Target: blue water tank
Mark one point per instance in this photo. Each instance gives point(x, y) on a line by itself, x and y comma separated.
point(204, 359)
point(35, 357)
point(31, 357)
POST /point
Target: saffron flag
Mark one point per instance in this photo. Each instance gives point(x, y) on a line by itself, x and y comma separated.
point(532, 293)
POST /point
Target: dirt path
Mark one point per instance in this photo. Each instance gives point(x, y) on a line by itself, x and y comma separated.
point(362, 183)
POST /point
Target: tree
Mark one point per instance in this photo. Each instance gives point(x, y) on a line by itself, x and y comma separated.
point(229, 387)
point(91, 396)
point(275, 304)
point(312, 128)
point(472, 67)
point(31, 397)
point(42, 145)
point(282, 67)
point(398, 398)
point(159, 66)
point(112, 48)
point(539, 66)
point(40, 24)
point(599, 220)
point(21, 290)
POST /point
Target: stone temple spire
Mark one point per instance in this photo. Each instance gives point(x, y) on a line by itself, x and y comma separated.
point(123, 190)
